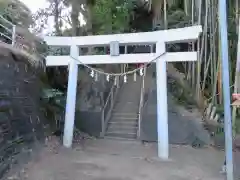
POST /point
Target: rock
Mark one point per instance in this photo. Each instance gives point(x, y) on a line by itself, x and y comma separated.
point(3, 117)
point(236, 143)
point(5, 105)
point(21, 120)
point(91, 93)
point(198, 143)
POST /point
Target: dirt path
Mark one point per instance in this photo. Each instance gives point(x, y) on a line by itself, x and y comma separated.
point(118, 160)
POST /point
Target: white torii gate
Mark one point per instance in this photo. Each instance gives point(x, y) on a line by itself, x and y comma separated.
point(187, 34)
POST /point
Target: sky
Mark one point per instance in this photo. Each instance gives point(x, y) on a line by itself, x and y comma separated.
point(34, 5)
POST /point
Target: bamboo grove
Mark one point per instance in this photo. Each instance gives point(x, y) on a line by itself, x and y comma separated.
point(205, 76)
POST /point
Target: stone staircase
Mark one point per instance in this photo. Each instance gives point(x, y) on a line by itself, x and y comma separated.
point(123, 123)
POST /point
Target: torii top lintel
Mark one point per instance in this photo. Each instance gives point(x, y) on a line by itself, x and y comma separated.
point(173, 35)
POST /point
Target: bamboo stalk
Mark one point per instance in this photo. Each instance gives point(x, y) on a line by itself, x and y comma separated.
point(214, 25)
point(193, 47)
point(208, 65)
point(236, 14)
point(236, 81)
point(219, 69)
point(185, 64)
point(205, 42)
point(186, 7)
point(189, 65)
point(219, 79)
point(198, 83)
point(204, 47)
point(215, 67)
point(212, 61)
point(165, 15)
point(216, 78)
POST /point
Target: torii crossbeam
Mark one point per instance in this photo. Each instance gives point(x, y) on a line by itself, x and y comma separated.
point(187, 34)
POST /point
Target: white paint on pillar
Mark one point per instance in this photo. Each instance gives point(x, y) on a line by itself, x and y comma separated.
point(71, 98)
point(162, 105)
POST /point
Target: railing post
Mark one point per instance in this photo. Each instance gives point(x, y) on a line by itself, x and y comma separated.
point(13, 35)
point(103, 123)
point(111, 98)
point(141, 103)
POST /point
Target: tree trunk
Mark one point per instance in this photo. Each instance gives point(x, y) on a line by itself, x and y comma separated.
point(89, 19)
point(157, 9)
point(56, 17)
point(74, 18)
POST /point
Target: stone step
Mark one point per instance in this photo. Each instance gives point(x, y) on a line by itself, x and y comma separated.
point(127, 103)
point(127, 123)
point(129, 93)
point(129, 89)
point(123, 118)
point(125, 106)
point(128, 108)
point(131, 128)
point(138, 82)
point(119, 138)
point(128, 100)
point(121, 135)
point(122, 126)
point(122, 132)
point(125, 115)
point(123, 129)
point(125, 111)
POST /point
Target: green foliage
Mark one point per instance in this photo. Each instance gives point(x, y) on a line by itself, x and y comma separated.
point(177, 19)
point(16, 12)
point(53, 102)
point(112, 16)
point(105, 16)
point(51, 93)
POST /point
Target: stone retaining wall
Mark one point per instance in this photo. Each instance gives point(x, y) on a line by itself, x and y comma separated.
point(21, 119)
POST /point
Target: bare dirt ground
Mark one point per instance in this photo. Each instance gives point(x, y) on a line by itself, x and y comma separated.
point(118, 160)
point(105, 159)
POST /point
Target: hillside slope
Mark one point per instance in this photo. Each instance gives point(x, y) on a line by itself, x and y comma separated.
point(21, 118)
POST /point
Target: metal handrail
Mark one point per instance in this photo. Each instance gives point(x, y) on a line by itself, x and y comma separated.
point(6, 36)
point(141, 103)
point(7, 21)
point(7, 30)
point(20, 40)
point(20, 37)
